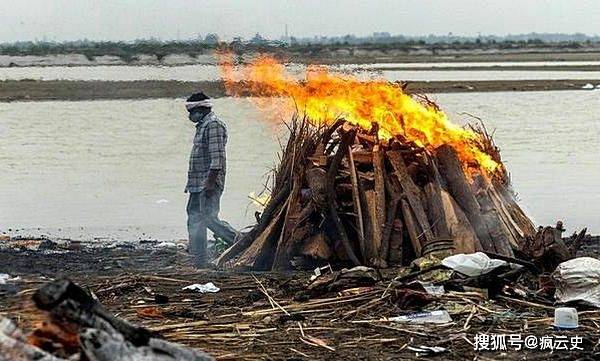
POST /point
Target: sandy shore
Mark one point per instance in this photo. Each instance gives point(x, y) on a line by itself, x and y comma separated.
point(11, 90)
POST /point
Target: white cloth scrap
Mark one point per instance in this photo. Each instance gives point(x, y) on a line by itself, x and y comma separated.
point(205, 288)
point(202, 103)
point(4, 277)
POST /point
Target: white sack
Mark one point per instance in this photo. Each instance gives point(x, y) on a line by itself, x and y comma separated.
point(578, 280)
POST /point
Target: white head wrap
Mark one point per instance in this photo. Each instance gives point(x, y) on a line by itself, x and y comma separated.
point(202, 103)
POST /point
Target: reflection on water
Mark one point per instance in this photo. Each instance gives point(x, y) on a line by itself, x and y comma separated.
point(119, 167)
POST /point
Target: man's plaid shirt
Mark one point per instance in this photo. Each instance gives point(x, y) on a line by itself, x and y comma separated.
point(208, 153)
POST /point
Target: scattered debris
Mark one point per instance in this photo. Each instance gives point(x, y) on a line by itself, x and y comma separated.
point(79, 327)
point(319, 271)
point(259, 316)
point(578, 280)
point(4, 278)
point(566, 318)
point(202, 288)
point(432, 289)
point(427, 350)
point(474, 264)
point(547, 248)
point(359, 276)
point(441, 316)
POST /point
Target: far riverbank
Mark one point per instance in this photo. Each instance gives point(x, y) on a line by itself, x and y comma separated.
point(13, 90)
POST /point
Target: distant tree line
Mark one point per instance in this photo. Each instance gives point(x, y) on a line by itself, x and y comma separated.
point(129, 50)
point(387, 38)
point(124, 50)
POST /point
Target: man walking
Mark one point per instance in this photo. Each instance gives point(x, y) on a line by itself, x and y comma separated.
point(206, 178)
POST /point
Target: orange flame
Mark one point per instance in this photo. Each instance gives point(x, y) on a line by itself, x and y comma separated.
point(325, 97)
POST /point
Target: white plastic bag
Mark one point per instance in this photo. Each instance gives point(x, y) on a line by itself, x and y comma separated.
point(473, 264)
point(578, 280)
point(4, 278)
point(440, 316)
point(205, 288)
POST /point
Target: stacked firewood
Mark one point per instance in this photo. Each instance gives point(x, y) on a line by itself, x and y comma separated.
point(342, 195)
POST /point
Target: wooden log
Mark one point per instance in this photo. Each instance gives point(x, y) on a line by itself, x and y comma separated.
point(388, 229)
point(270, 210)
point(452, 172)
point(15, 347)
point(516, 236)
point(516, 212)
point(66, 300)
point(412, 193)
point(368, 139)
point(102, 336)
point(326, 136)
point(577, 240)
point(317, 247)
point(362, 157)
point(357, 204)
point(255, 256)
point(497, 228)
point(548, 249)
point(347, 139)
point(373, 236)
point(394, 195)
point(368, 215)
point(411, 227)
point(395, 244)
point(317, 183)
point(365, 176)
point(501, 206)
point(435, 208)
point(380, 203)
point(289, 224)
point(461, 230)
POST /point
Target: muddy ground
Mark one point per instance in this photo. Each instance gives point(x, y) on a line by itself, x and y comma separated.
point(239, 322)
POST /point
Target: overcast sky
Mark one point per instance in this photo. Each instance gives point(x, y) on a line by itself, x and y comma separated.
point(184, 19)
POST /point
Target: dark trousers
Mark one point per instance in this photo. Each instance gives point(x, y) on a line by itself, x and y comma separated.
point(203, 213)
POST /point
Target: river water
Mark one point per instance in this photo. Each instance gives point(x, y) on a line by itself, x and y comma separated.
point(212, 72)
point(117, 168)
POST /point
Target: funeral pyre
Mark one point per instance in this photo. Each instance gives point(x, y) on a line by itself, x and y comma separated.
point(372, 175)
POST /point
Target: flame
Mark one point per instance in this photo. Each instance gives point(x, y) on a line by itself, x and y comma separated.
point(325, 97)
